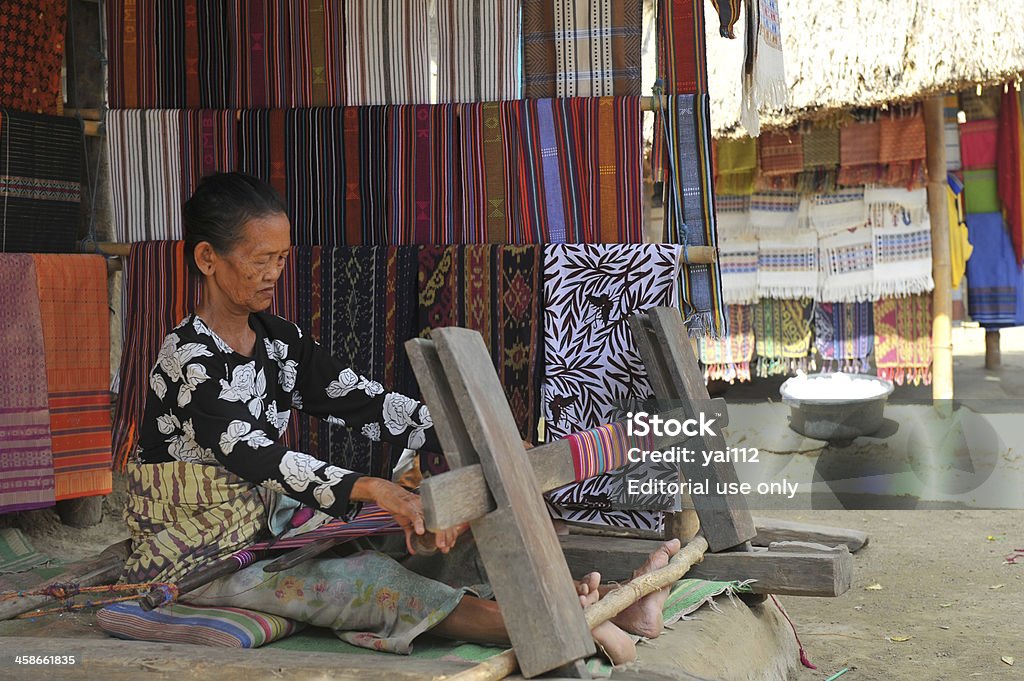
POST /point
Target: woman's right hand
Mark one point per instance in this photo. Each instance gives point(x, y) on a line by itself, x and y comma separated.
point(407, 510)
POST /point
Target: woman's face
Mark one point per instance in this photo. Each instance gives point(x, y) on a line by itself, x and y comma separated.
point(247, 275)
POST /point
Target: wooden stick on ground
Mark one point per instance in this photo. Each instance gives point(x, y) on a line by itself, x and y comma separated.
point(614, 602)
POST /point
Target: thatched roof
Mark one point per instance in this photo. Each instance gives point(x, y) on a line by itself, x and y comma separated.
point(852, 53)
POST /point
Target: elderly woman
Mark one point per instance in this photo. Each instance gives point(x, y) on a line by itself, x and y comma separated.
point(211, 464)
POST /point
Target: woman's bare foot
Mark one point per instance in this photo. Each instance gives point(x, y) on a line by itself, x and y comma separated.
point(614, 642)
point(644, 617)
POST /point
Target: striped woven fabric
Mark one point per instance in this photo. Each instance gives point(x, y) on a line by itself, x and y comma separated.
point(844, 336)
point(76, 334)
point(372, 520)
point(31, 54)
point(903, 259)
point(773, 212)
point(581, 48)
point(40, 182)
point(781, 153)
point(728, 15)
point(600, 449)
point(387, 59)
point(690, 212)
point(478, 59)
point(738, 262)
point(787, 265)
point(178, 623)
point(26, 464)
point(733, 216)
point(847, 261)
point(903, 339)
point(837, 211)
point(682, 48)
point(993, 274)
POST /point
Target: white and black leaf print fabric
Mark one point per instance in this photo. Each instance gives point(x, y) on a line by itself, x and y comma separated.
point(593, 370)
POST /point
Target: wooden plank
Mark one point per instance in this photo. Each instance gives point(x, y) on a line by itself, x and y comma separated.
point(773, 530)
point(724, 519)
point(437, 393)
point(789, 574)
point(460, 495)
point(517, 542)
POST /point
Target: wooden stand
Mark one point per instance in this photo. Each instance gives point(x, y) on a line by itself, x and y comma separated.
point(993, 357)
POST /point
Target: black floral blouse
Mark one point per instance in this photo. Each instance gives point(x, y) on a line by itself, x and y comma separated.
point(208, 404)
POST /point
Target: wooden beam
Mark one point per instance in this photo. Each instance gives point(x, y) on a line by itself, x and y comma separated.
point(772, 530)
point(993, 355)
point(942, 296)
point(791, 574)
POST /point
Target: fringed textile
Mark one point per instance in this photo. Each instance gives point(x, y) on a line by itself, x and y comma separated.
point(40, 181)
point(981, 191)
point(903, 259)
point(32, 40)
point(781, 153)
point(979, 141)
point(26, 462)
point(903, 339)
point(993, 275)
point(774, 212)
point(729, 358)
point(764, 72)
point(895, 206)
point(844, 336)
point(478, 59)
point(837, 211)
point(737, 166)
point(847, 266)
point(495, 290)
point(1010, 164)
point(782, 329)
point(733, 213)
point(787, 265)
point(76, 334)
point(581, 48)
point(690, 211)
point(738, 261)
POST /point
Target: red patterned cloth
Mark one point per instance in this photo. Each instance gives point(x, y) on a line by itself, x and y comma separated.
point(31, 54)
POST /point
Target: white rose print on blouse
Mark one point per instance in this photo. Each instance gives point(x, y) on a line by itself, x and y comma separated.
point(287, 369)
point(323, 493)
point(248, 386)
point(240, 431)
point(371, 431)
point(334, 420)
point(299, 470)
point(278, 418)
point(182, 444)
point(159, 386)
point(296, 400)
point(172, 358)
point(200, 326)
point(194, 374)
point(398, 417)
point(348, 380)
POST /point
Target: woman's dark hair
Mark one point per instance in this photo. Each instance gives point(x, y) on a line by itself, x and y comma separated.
point(219, 209)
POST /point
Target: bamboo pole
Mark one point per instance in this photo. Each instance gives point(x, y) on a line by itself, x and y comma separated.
point(942, 297)
point(614, 602)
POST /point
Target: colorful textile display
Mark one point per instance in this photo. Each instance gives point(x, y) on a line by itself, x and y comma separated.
point(782, 332)
point(738, 261)
point(31, 55)
point(581, 48)
point(774, 212)
point(599, 450)
point(844, 336)
point(728, 358)
point(26, 464)
point(903, 259)
point(1010, 164)
point(837, 211)
point(764, 73)
point(903, 339)
point(387, 56)
point(733, 214)
point(781, 153)
point(847, 266)
point(40, 181)
point(690, 212)
point(208, 626)
point(981, 191)
point(737, 166)
point(978, 144)
point(76, 335)
point(787, 266)
point(993, 274)
point(592, 369)
point(478, 59)
point(495, 290)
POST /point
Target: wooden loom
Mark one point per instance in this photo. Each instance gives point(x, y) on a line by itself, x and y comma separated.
point(496, 485)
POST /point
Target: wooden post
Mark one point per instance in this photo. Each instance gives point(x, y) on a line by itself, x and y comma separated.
point(942, 297)
point(993, 358)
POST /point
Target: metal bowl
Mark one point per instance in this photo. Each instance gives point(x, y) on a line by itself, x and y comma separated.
point(838, 420)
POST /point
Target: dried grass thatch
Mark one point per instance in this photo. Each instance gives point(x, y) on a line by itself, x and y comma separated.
point(853, 53)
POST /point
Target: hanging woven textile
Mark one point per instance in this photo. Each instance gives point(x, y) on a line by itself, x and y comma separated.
point(787, 265)
point(774, 213)
point(993, 274)
point(895, 206)
point(781, 153)
point(728, 15)
point(847, 266)
point(387, 56)
point(738, 261)
point(76, 334)
point(728, 358)
point(581, 48)
point(859, 153)
point(1010, 164)
point(682, 48)
point(31, 54)
point(844, 336)
point(837, 211)
point(733, 213)
point(26, 462)
point(40, 182)
point(951, 133)
point(478, 56)
point(903, 259)
point(979, 142)
point(690, 213)
point(981, 191)
point(903, 339)
point(737, 166)
point(902, 148)
point(495, 290)
point(782, 332)
point(764, 73)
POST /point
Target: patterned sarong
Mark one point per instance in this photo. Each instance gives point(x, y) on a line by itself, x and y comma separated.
point(903, 339)
point(40, 181)
point(728, 358)
point(76, 333)
point(26, 464)
point(32, 39)
point(581, 48)
point(979, 143)
point(495, 290)
point(844, 336)
point(682, 47)
point(992, 273)
point(782, 329)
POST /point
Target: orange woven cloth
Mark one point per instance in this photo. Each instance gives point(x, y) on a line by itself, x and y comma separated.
point(76, 335)
point(859, 144)
point(901, 139)
point(781, 153)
